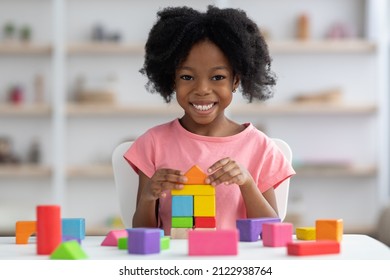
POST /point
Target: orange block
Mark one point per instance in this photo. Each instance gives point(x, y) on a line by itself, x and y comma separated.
point(23, 231)
point(329, 230)
point(195, 176)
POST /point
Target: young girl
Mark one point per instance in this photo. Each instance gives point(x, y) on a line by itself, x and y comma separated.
point(201, 59)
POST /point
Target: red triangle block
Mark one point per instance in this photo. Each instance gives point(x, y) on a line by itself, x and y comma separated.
point(195, 176)
point(113, 236)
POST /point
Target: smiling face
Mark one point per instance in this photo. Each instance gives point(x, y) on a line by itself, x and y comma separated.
point(204, 82)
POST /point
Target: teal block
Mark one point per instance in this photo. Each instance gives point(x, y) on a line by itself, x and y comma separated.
point(183, 206)
point(73, 227)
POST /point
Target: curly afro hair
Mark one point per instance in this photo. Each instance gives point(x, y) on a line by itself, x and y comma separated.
point(179, 28)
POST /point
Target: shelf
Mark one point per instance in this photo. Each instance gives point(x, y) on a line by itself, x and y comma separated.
point(351, 171)
point(78, 109)
point(303, 109)
point(27, 48)
point(33, 110)
point(90, 171)
point(24, 171)
point(323, 46)
point(105, 48)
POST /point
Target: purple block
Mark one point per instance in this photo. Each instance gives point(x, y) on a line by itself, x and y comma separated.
point(143, 240)
point(251, 229)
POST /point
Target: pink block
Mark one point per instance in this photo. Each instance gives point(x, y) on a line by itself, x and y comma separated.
point(113, 236)
point(277, 234)
point(213, 242)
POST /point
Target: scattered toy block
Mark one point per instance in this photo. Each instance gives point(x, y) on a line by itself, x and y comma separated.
point(69, 250)
point(205, 222)
point(69, 238)
point(73, 227)
point(112, 237)
point(23, 231)
point(180, 233)
point(195, 176)
point(309, 248)
point(182, 206)
point(49, 233)
point(182, 222)
point(204, 206)
point(277, 234)
point(329, 230)
point(122, 243)
point(164, 243)
point(195, 190)
point(143, 241)
point(306, 233)
point(250, 229)
point(213, 243)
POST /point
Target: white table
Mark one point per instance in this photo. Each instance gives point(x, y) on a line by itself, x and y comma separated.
point(353, 247)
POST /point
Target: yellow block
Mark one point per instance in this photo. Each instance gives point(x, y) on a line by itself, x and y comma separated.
point(204, 205)
point(306, 233)
point(329, 230)
point(195, 190)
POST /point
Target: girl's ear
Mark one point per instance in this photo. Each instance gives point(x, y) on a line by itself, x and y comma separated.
point(236, 82)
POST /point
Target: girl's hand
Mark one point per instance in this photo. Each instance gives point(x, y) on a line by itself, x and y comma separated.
point(161, 181)
point(228, 171)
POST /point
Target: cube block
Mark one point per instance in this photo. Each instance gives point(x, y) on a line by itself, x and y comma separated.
point(180, 233)
point(306, 233)
point(143, 241)
point(205, 222)
point(277, 234)
point(329, 230)
point(204, 206)
point(251, 229)
point(182, 206)
point(73, 227)
point(182, 222)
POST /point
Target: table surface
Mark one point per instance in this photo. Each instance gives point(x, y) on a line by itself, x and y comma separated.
point(353, 247)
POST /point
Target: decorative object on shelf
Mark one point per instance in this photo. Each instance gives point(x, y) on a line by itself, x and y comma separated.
point(100, 91)
point(100, 34)
point(6, 154)
point(25, 33)
point(9, 30)
point(34, 153)
point(339, 31)
point(16, 95)
point(332, 95)
point(39, 88)
point(303, 27)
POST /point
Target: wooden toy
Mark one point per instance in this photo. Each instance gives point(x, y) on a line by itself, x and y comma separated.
point(23, 231)
point(205, 222)
point(250, 229)
point(204, 206)
point(182, 222)
point(164, 243)
point(306, 233)
point(183, 206)
point(308, 248)
point(143, 241)
point(329, 230)
point(195, 190)
point(195, 176)
point(70, 250)
point(122, 243)
point(277, 234)
point(180, 233)
point(212, 243)
point(73, 227)
point(48, 228)
point(112, 237)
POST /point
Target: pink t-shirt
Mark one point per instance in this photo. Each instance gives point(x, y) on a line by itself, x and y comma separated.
point(171, 146)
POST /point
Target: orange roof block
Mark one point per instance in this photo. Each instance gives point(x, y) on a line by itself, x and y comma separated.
point(195, 176)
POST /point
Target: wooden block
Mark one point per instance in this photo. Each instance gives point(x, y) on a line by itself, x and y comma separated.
point(250, 229)
point(182, 222)
point(70, 250)
point(195, 176)
point(212, 243)
point(164, 243)
point(204, 206)
point(143, 241)
point(306, 233)
point(122, 243)
point(205, 222)
point(23, 231)
point(73, 227)
point(308, 248)
point(277, 234)
point(180, 233)
point(112, 237)
point(329, 229)
point(49, 233)
point(183, 206)
point(195, 190)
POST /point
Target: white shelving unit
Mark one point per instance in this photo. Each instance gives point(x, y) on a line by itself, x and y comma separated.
point(76, 170)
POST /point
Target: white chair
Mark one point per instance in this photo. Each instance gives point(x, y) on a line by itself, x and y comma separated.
point(126, 183)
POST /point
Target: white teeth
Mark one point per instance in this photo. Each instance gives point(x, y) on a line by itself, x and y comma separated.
point(203, 107)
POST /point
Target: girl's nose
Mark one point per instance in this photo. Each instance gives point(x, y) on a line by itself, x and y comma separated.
point(203, 87)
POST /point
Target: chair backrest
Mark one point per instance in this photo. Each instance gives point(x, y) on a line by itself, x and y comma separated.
point(126, 183)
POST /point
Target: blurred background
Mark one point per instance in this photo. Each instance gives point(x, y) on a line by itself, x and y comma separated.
point(70, 91)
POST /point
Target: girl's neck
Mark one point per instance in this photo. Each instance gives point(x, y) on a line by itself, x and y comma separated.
point(222, 127)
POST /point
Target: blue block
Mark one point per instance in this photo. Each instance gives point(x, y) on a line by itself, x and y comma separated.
point(183, 206)
point(143, 240)
point(73, 228)
point(251, 229)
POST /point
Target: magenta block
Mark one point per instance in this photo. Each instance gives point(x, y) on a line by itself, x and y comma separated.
point(143, 240)
point(112, 237)
point(213, 242)
point(277, 234)
point(251, 229)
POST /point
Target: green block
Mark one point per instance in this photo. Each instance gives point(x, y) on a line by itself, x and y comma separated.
point(164, 242)
point(122, 243)
point(69, 250)
point(182, 222)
